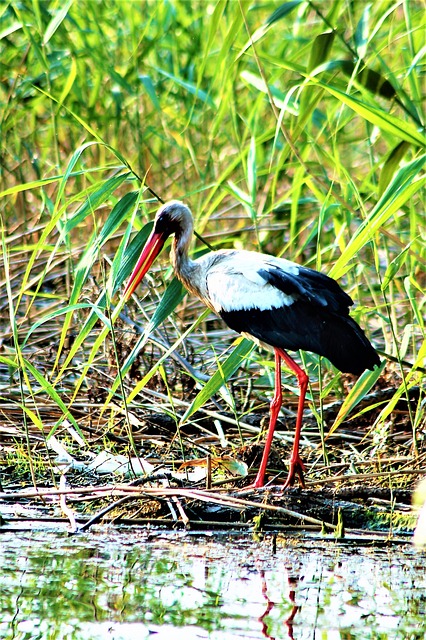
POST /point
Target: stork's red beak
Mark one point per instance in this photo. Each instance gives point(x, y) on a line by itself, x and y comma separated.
point(152, 248)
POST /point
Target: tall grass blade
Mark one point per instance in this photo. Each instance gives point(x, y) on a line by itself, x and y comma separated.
point(375, 115)
point(403, 186)
point(362, 32)
point(320, 49)
point(95, 199)
point(281, 12)
point(170, 300)
point(391, 164)
point(56, 21)
point(142, 383)
point(121, 267)
point(55, 397)
point(191, 88)
point(227, 369)
point(358, 392)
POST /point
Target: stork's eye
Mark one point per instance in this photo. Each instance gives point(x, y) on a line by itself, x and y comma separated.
point(162, 224)
point(165, 223)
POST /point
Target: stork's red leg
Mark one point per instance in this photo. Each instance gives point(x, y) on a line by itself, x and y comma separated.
point(296, 465)
point(275, 407)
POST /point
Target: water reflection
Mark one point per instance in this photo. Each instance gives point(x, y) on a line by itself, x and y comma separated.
point(134, 586)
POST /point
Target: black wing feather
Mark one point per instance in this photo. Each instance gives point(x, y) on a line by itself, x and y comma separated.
point(312, 286)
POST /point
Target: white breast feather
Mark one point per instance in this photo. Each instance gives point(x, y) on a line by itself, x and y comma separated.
point(234, 282)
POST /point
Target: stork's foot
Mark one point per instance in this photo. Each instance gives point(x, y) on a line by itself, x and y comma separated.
point(296, 470)
point(257, 484)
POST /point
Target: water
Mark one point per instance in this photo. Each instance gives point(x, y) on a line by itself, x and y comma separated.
point(162, 586)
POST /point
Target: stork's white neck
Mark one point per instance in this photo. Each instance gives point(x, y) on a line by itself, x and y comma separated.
point(188, 271)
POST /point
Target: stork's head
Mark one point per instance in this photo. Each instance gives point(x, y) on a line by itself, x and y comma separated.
point(173, 217)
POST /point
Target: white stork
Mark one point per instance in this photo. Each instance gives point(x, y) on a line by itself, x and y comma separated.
point(275, 302)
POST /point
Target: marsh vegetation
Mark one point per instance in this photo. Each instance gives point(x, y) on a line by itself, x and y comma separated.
point(291, 128)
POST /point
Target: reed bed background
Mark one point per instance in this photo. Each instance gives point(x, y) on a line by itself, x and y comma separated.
point(292, 128)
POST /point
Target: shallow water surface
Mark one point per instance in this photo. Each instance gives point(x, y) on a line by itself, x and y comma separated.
point(180, 586)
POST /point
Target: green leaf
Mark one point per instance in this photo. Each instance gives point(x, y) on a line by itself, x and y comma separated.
point(189, 87)
point(32, 416)
point(227, 369)
point(149, 87)
point(173, 296)
point(56, 21)
point(283, 11)
point(118, 214)
point(11, 28)
point(320, 49)
point(393, 268)
point(385, 121)
point(35, 184)
point(59, 312)
point(368, 78)
point(401, 392)
point(241, 195)
point(361, 32)
point(54, 395)
point(403, 186)
point(70, 81)
point(358, 392)
point(259, 84)
point(95, 199)
point(128, 258)
point(334, 11)
point(391, 164)
point(126, 264)
point(142, 383)
point(251, 170)
point(280, 13)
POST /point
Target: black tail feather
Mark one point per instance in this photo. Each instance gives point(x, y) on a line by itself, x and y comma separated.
point(347, 347)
